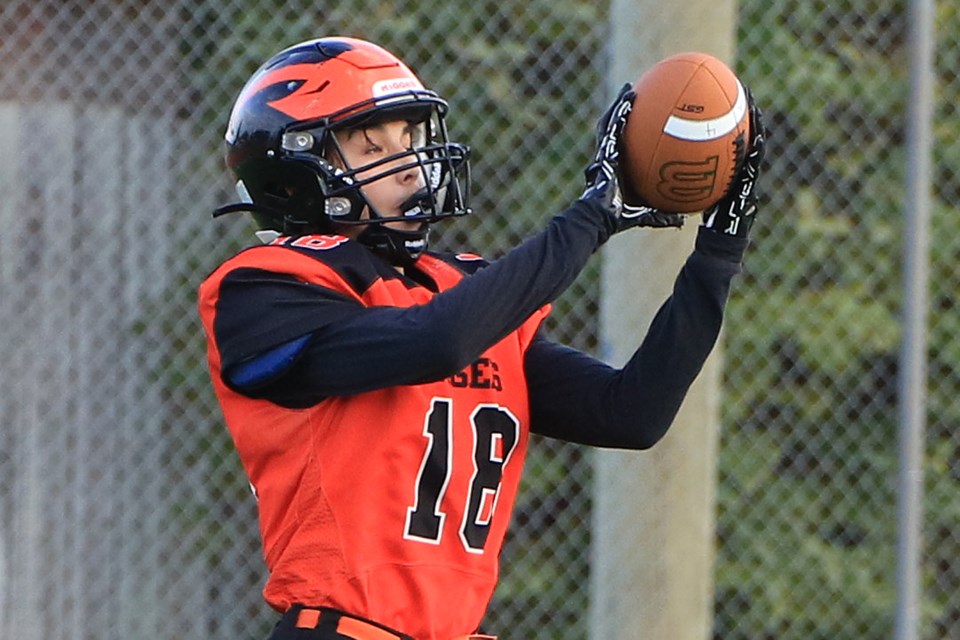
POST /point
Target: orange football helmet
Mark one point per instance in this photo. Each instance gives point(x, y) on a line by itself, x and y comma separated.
point(279, 143)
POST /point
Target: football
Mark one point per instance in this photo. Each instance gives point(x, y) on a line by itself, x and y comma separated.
point(686, 136)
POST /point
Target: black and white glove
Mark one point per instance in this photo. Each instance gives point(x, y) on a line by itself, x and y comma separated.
point(602, 174)
point(735, 213)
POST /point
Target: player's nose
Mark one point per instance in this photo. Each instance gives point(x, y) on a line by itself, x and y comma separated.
point(410, 175)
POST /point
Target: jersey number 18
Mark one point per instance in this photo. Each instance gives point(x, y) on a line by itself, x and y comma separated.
point(495, 433)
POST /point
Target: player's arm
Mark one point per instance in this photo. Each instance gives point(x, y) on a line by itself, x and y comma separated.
point(292, 342)
point(578, 398)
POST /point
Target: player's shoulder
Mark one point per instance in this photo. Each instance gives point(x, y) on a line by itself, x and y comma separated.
point(331, 248)
point(306, 256)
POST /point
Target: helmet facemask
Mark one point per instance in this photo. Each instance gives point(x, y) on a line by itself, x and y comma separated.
point(441, 165)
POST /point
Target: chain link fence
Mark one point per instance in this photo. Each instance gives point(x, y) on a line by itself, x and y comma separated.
point(125, 513)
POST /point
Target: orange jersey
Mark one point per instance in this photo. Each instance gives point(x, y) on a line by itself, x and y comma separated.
point(390, 504)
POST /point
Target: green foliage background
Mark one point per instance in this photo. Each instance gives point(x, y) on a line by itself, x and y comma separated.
point(807, 527)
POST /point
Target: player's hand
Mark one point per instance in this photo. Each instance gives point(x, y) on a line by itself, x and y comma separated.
point(734, 214)
point(602, 174)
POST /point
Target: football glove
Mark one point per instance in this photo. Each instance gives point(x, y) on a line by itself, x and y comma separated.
point(602, 174)
point(735, 213)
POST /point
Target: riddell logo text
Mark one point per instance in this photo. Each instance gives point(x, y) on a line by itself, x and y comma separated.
point(384, 87)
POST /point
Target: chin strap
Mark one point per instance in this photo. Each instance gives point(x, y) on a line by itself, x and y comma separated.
point(419, 204)
point(399, 248)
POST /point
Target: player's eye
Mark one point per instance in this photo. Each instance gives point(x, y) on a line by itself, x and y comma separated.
point(370, 145)
point(416, 135)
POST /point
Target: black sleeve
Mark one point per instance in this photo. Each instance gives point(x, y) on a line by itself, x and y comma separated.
point(577, 398)
point(258, 310)
point(360, 348)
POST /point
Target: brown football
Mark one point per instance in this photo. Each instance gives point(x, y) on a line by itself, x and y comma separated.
point(686, 135)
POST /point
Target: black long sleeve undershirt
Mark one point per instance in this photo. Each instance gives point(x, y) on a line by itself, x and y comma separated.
point(377, 347)
point(573, 396)
point(577, 398)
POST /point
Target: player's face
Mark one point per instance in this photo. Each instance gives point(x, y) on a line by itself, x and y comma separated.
point(364, 146)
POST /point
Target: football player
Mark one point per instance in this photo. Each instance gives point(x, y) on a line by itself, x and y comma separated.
point(381, 395)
